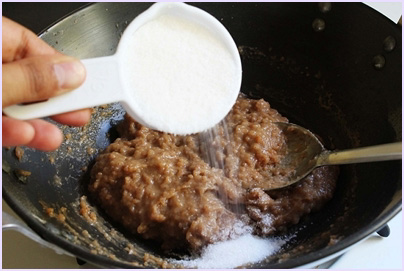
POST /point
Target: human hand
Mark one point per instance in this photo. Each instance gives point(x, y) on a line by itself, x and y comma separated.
point(34, 71)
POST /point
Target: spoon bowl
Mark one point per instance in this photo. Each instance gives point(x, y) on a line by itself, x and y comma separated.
point(305, 152)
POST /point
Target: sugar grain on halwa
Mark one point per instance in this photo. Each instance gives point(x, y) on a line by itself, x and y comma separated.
point(191, 191)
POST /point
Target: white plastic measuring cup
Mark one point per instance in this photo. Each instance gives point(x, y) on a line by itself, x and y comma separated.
point(107, 82)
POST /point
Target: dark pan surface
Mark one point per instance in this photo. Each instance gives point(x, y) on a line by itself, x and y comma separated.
point(323, 79)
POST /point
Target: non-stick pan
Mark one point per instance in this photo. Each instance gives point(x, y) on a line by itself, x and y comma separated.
point(333, 68)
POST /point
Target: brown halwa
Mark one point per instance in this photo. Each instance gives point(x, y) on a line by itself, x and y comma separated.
point(191, 191)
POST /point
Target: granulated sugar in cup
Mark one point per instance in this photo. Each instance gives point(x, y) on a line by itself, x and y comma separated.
point(176, 70)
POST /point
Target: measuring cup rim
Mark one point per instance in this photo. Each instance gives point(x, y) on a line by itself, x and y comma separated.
point(189, 13)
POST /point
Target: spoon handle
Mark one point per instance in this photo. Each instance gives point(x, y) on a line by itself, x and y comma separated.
point(101, 86)
point(385, 152)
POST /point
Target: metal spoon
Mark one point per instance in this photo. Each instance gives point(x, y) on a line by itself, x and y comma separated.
point(305, 152)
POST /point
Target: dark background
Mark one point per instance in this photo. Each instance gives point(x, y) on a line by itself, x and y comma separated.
point(349, 83)
point(38, 16)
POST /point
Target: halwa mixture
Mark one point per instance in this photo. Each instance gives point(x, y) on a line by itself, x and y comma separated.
point(190, 191)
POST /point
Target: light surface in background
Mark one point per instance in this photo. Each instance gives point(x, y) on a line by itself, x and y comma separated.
point(373, 253)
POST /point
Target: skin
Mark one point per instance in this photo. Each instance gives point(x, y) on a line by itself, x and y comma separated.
point(29, 75)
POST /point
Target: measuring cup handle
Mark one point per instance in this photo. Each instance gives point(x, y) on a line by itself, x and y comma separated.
point(101, 86)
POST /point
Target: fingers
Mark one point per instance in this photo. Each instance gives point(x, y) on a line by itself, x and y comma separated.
point(16, 132)
point(39, 78)
point(37, 134)
point(76, 118)
point(33, 71)
point(40, 134)
point(19, 42)
point(47, 136)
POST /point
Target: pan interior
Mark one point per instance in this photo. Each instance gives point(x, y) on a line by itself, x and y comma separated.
point(315, 77)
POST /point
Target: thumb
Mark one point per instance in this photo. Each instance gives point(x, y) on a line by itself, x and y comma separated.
point(40, 77)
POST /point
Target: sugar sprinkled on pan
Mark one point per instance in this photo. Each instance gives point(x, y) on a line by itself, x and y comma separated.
point(234, 253)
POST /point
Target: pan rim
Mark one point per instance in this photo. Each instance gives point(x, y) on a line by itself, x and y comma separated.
point(295, 262)
point(299, 261)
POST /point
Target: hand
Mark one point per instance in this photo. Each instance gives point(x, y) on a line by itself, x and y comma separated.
point(34, 71)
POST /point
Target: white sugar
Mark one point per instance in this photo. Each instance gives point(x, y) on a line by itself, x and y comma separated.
point(234, 253)
point(183, 77)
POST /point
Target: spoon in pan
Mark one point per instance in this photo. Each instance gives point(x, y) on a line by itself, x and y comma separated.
point(305, 152)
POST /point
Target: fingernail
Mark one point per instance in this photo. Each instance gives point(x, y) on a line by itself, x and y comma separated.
point(70, 75)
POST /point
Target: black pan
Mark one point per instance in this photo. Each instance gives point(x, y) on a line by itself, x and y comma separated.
point(335, 69)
